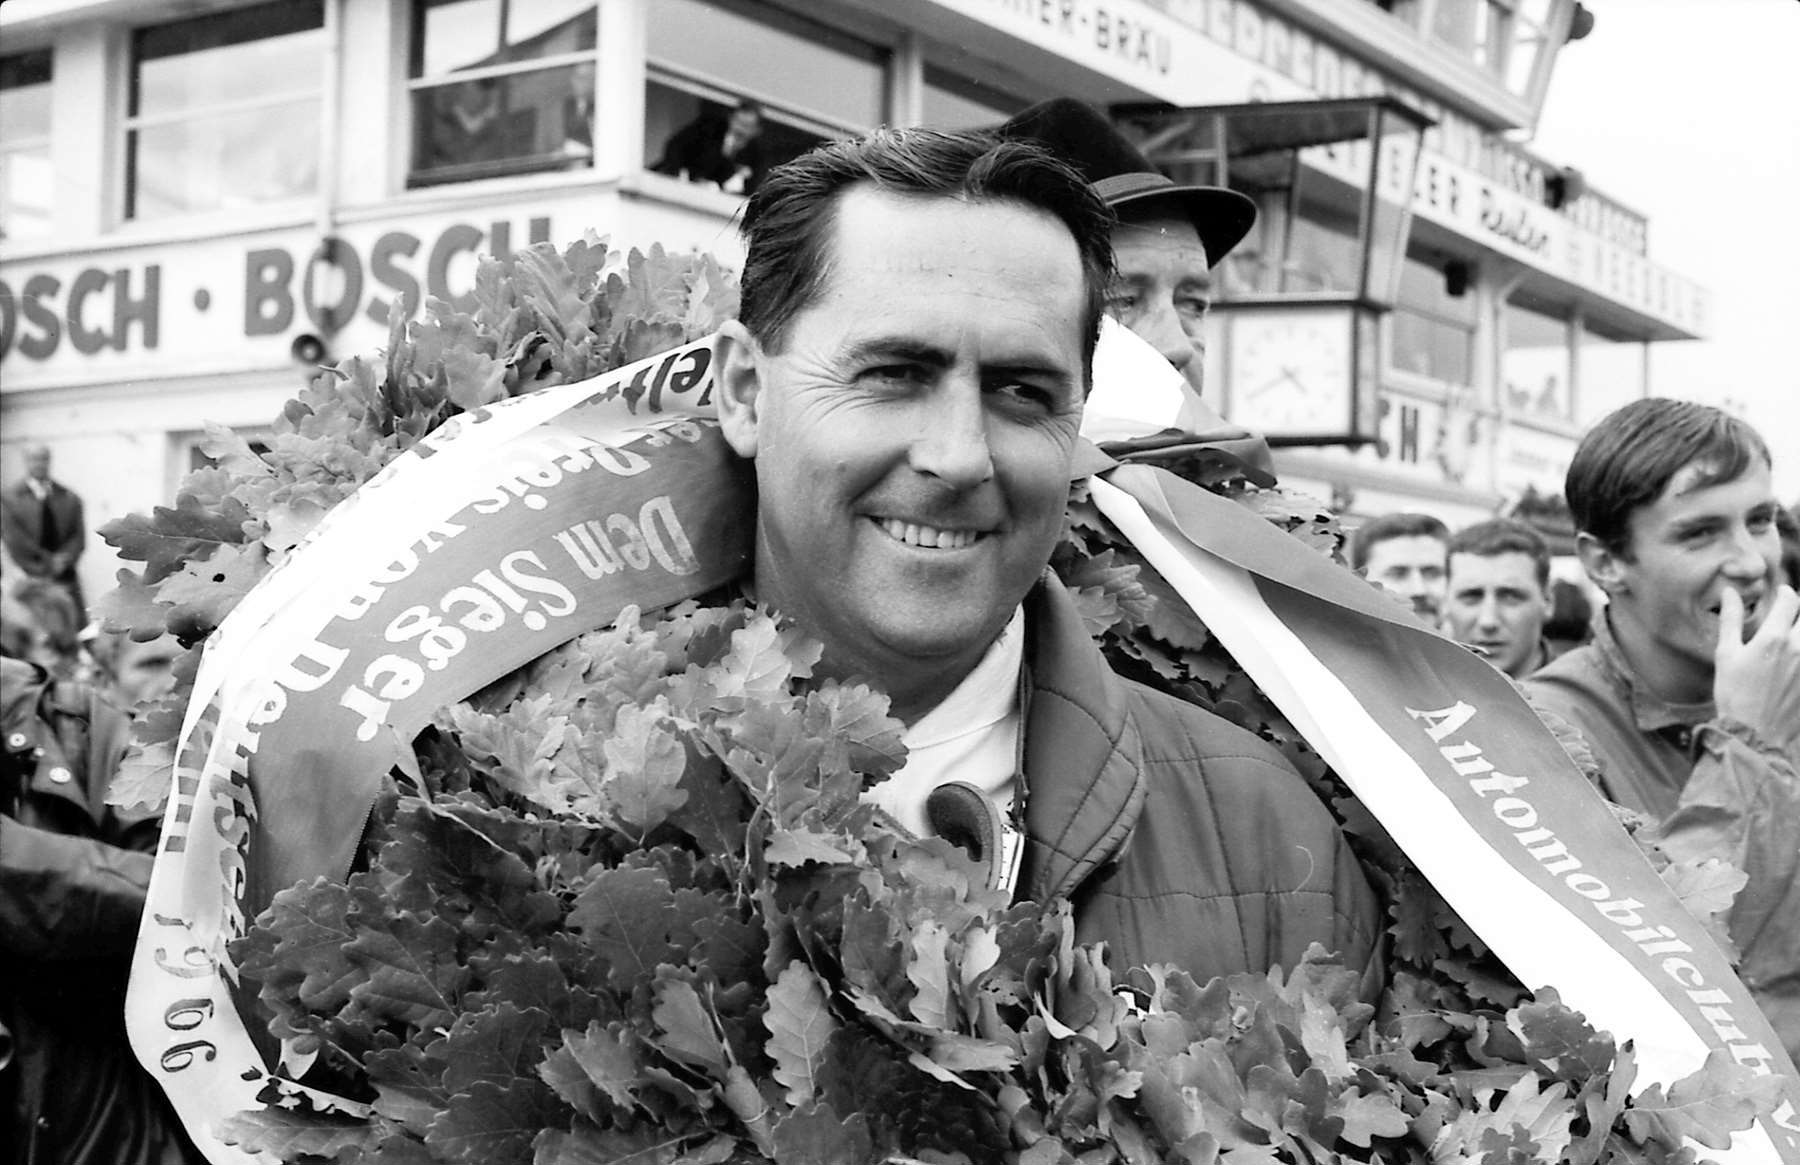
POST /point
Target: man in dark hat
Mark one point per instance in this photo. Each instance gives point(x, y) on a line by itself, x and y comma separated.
point(1167, 240)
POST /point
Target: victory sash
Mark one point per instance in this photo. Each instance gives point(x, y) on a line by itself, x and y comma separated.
point(516, 527)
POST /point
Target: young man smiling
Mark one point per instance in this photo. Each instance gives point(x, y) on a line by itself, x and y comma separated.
point(1689, 694)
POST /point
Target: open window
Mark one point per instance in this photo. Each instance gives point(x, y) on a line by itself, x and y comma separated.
point(224, 110)
point(25, 176)
point(1536, 359)
point(708, 59)
point(501, 88)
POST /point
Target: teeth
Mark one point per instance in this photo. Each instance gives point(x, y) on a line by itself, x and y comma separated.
point(916, 535)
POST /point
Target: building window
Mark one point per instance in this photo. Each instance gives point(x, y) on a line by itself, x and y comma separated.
point(224, 110)
point(1433, 331)
point(25, 186)
point(1535, 359)
point(501, 88)
point(1313, 253)
point(1611, 370)
point(956, 101)
point(812, 82)
point(1503, 38)
point(1528, 35)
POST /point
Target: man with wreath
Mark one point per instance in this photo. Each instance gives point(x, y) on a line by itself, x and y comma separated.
point(908, 374)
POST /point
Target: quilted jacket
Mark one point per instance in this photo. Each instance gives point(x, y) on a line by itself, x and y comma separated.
point(1179, 837)
point(73, 874)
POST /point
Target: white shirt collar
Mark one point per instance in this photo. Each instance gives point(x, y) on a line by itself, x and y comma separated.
point(986, 695)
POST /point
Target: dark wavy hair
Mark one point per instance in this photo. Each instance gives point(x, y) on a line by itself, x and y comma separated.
point(1628, 458)
point(1505, 536)
point(788, 222)
point(1402, 525)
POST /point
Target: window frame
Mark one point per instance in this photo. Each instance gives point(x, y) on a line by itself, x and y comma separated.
point(132, 123)
point(1502, 19)
point(711, 87)
point(412, 55)
point(1586, 327)
point(1566, 314)
point(1470, 327)
point(933, 73)
point(30, 144)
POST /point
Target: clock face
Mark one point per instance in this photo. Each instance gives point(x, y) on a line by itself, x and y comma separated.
point(1290, 370)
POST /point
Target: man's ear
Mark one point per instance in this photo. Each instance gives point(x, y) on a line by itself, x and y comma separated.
point(738, 386)
point(1605, 566)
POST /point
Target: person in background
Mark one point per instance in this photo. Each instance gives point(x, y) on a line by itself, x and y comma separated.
point(73, 876)
point(132, 674)
point(1166, 242)
point(43, 626)
point(1498, 594)
point(1689, 694)
point(1571, 621)
point(43, 527)
point(726, 151)
point(1406, 555)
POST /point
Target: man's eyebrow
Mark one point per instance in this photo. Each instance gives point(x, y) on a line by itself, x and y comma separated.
point(898, 348)
point(1042, 369)
point(912, 351)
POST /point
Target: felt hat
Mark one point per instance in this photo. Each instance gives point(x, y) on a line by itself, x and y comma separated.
point(1124, 179)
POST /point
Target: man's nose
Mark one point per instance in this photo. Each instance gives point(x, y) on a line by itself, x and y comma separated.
point(1748, 559)
point(1487, 616)
point(1161, 326)
point(951, 439)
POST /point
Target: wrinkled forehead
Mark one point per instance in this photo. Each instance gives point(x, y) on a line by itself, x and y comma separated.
point(1158, 234)
point(1507, 568)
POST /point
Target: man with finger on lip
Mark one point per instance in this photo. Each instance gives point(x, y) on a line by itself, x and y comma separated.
point(1689, 694)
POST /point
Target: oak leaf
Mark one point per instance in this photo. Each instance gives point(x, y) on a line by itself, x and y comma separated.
point(799, 1022)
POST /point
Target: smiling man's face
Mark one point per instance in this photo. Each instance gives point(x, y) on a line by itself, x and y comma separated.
point(913, 435)
point(1683, 551)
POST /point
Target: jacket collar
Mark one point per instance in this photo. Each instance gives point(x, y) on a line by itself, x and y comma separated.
point(1083, 756)
point(24, 689)
point(1650, 712)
